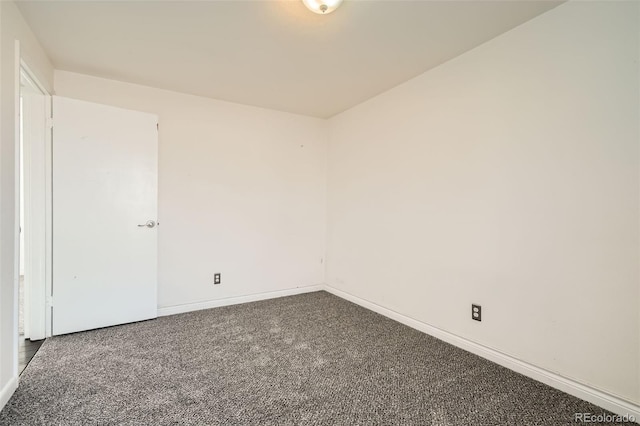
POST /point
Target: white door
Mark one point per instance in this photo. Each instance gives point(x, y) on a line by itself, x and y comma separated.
point(104, 188)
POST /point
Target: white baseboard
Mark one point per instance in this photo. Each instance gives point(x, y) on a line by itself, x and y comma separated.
point(602, 399)
point(587, 393)
point(7, 391)
point(179, 309)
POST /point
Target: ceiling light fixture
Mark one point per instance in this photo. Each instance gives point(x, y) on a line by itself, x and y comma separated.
point(322, 7)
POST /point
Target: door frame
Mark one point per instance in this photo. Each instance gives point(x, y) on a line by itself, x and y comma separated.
point(37, 266)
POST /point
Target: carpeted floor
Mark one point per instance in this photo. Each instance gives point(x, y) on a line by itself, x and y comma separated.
point(307, 359)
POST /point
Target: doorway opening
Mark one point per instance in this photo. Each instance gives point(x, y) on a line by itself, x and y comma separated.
point(34, 137)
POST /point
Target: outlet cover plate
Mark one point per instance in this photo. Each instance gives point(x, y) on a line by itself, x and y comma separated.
point(476, 312)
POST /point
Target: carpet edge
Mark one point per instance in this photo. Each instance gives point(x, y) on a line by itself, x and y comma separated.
point(8, 390)
point(600, 398)
point(227, 301)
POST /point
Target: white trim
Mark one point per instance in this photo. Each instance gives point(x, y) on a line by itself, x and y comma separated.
point(16, 225)
point(48, 260)
point(48, 226)
point(7, 391)
point(35, 142)
point(595, 396)
point(189, 307)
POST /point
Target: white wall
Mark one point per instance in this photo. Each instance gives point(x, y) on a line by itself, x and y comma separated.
point(241, 191)
point(12, 28)
point(507, 177)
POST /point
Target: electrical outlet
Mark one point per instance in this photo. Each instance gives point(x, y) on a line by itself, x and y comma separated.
point(217, 278)
point(476, 312)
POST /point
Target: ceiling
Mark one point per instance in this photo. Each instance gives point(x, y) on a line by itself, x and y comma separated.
point(273, 54)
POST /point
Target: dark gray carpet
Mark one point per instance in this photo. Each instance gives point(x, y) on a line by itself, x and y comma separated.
point(307, 359)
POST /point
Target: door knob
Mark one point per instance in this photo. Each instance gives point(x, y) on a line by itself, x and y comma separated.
point(149, 224)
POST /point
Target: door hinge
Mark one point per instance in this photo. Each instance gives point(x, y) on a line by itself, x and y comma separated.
point(50, 123)
point(49, 301)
